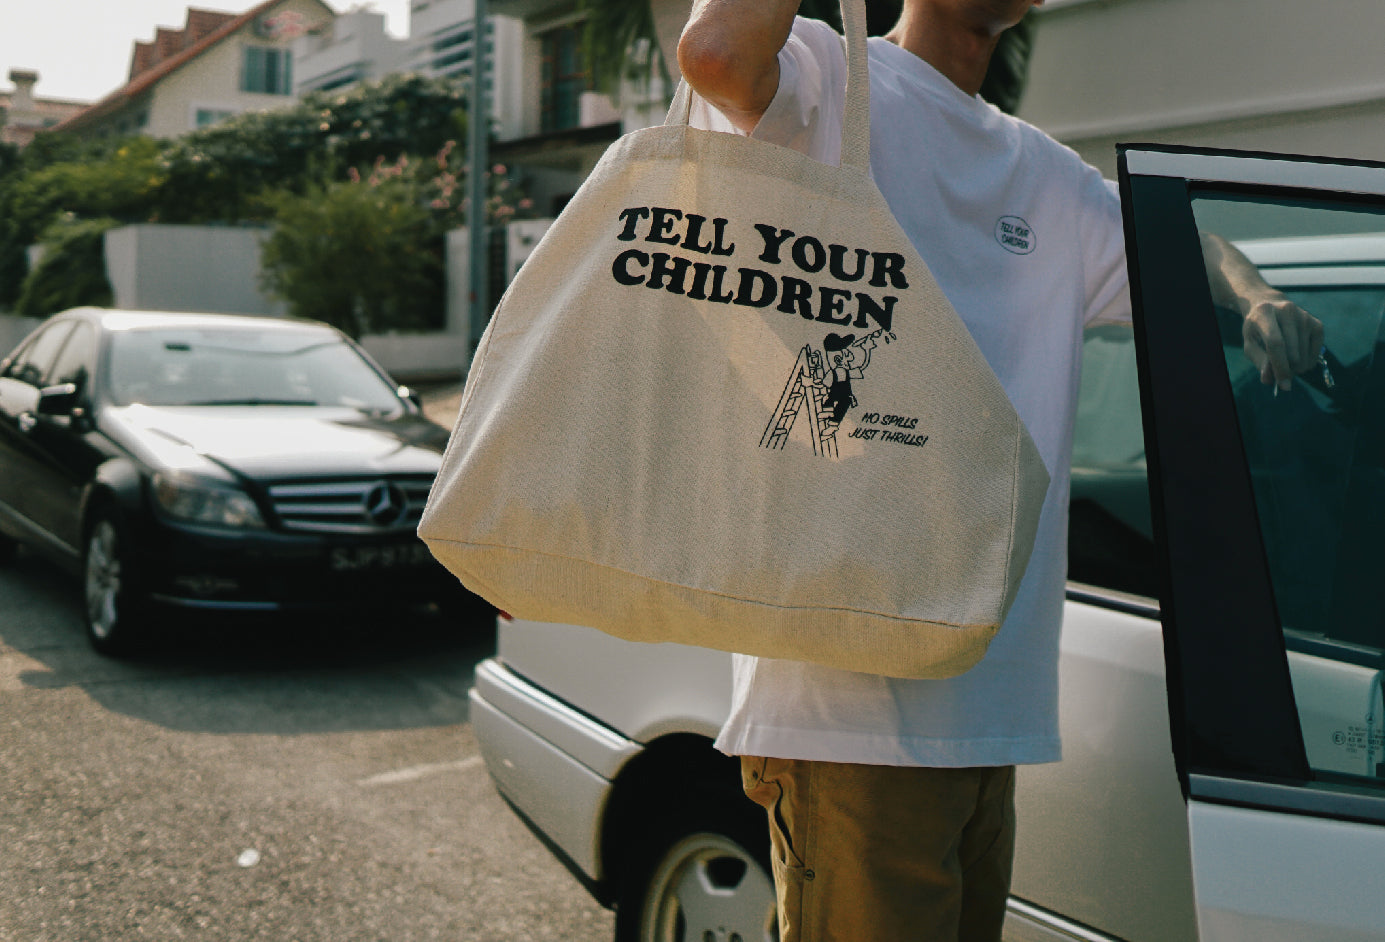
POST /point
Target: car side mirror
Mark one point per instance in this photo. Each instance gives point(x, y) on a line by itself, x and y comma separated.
point(57, 400)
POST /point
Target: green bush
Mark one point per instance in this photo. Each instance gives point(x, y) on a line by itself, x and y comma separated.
point(228, 172)
point(57, 176)
point(72, 272)
point(363, 256)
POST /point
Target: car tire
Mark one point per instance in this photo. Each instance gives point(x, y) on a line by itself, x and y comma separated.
point(112, 607)
point(701, 881)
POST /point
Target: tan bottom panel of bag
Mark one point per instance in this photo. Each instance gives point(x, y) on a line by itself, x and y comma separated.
point(551, 588)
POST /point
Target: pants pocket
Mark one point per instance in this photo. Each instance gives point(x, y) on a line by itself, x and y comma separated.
point(761, 780)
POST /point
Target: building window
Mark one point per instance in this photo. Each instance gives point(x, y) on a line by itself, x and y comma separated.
point(451, 54)
point(267, 71)
point(564, 78)
point(205, 117)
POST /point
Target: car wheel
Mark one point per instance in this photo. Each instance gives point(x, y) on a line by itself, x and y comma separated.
point(702, 883)
point(112, 607)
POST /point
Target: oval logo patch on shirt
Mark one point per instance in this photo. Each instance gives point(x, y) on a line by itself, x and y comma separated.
point(1015, 235)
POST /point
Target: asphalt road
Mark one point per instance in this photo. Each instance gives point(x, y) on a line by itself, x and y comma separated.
point(293, 783)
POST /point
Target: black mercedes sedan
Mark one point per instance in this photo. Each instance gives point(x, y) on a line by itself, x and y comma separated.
point(212, 462)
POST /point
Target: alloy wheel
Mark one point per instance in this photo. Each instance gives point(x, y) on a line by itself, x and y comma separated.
point(707, 887)
point(103, 581)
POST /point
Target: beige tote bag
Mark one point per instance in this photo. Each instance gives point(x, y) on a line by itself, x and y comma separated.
point(724, 403)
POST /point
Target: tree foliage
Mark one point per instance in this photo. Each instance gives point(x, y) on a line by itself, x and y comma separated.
point(359, 255)
point(231, 172)
point(72, 271)
point(225, 171)
point(58, 177)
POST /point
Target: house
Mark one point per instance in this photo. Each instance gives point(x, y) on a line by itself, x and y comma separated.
point(355, 47)
point(217, 65)
point(1280, 76)
point(344, 51)
point(560, 124)
point(442, 43)
point(22, 115)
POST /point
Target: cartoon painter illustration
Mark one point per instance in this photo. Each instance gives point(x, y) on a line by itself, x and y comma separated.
point(825, 393)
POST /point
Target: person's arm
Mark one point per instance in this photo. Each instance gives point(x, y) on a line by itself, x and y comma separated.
point(729, 54)
point(1281, 338)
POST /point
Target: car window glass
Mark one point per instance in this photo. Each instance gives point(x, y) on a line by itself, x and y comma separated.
point(74, 363)
point(1110, 541)
point(36, 359)
point(1316, 457)
point(224, 366)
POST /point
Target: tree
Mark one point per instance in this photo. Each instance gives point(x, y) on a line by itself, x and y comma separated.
point(224, 171)
point(228, 173)
point(59, 178)
point(72, 271)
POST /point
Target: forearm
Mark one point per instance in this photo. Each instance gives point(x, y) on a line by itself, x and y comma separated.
point(1235, 281)
point(1279, 337)
point(729, 53)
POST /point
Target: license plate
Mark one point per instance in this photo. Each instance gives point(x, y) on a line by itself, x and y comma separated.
point(386, 556)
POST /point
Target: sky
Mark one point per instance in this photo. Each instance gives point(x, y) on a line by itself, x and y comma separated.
point(81, 48)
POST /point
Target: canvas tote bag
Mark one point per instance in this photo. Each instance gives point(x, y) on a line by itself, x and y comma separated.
point(724, 403)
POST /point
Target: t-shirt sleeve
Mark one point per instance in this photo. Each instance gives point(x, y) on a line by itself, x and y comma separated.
point(805, 114)
point(1103, 252)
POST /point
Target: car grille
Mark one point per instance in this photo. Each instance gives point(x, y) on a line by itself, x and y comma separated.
point(366, 505)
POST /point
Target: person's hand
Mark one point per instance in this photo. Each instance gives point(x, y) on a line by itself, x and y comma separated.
point(1281, 339)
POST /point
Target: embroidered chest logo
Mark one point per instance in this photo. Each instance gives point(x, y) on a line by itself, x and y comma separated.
point(851, 291)
point(1015, 235)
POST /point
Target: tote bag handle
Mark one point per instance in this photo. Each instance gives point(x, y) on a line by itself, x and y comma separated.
point(856, 120)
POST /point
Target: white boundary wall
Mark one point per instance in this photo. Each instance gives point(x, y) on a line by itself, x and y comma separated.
point(217, 269)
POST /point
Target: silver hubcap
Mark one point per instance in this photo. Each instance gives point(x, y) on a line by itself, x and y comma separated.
point(708, 889)
point(102, 580)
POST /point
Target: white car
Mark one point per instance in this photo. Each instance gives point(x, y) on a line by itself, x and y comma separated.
point(1223, 643)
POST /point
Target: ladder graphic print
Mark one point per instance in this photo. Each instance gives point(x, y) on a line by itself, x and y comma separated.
point(803, 392)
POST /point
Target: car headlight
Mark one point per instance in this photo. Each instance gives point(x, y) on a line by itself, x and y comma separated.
point(199, 500)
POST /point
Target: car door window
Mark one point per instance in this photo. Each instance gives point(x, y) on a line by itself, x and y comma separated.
point(34, 361)
point(1110, 539)
point(74, 363)
point(1268, 503)
point(1316, 458)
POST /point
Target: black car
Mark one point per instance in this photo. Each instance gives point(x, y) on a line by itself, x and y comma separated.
point(215, 462)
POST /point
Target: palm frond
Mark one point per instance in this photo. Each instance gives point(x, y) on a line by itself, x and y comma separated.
point(618, 40)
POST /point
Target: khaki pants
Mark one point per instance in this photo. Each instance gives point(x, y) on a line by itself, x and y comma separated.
point(866, 853)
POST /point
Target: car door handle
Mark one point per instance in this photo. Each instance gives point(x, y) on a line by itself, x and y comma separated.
point(26, 421)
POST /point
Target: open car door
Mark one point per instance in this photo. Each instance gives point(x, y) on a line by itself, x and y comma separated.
point(1269, 518)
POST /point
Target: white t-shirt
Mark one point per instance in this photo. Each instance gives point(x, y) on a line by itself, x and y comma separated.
point(1026, 242)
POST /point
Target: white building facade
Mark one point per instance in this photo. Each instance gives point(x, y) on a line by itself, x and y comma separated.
point(1279, 75)
point(352, 47)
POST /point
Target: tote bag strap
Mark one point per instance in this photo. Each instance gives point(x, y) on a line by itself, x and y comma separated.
point(856, 120)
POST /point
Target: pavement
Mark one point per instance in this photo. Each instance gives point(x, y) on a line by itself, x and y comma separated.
point(441, 401)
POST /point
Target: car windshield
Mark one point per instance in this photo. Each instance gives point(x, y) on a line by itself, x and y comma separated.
point(225, 366)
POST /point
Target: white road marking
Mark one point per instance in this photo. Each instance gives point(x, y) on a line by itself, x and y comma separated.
point(415, 772)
